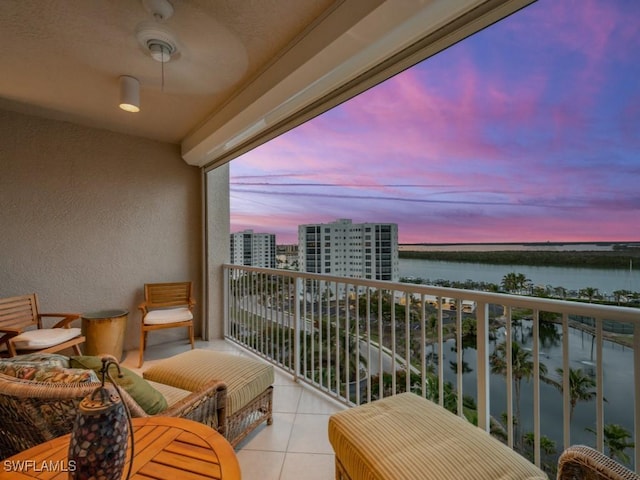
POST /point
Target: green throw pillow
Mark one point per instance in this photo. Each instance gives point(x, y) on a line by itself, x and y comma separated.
point(149, 399)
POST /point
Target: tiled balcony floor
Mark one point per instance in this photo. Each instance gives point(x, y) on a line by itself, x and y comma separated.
point(295, 446)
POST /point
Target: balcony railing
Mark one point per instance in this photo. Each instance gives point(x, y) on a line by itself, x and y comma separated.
point(572, 374)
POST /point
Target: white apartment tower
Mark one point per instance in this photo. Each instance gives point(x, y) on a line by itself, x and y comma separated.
point(343, 248)
point(254, 249)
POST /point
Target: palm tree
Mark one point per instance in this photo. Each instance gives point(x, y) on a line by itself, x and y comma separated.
point(509, 282)
point(547, 448)
point(450, 395)
point(523, 282)
point(432, 323)
point(589, 292)
point(581, 386)
point(548, 331)
point(539, 291)
point(469, 332)
point(522, 368)
point(619, 294)
point(617, 440)
point(560, 292)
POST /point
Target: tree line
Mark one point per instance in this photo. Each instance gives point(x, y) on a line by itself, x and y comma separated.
point(518, 283)
point(587, 259)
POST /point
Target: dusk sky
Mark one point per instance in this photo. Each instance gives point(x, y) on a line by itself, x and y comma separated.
point(528, 131)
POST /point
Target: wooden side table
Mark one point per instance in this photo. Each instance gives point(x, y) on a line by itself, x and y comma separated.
point(165, 448)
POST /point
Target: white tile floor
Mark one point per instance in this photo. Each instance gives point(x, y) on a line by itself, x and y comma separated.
point(295, 446)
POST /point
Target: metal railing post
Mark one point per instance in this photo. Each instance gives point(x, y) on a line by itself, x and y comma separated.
point(483, 366)
point(297, 328)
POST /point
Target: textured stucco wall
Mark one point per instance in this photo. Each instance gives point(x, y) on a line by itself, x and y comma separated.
point(217, 241)
point(88, 216)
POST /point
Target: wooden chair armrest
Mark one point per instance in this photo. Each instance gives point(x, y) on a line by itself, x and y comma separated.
point(13, 331)
point(143, 308)
point(66, 320)
point(8, 334)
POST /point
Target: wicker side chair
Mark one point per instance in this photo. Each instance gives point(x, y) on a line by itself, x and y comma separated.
point(580, 462)
point(34, 412)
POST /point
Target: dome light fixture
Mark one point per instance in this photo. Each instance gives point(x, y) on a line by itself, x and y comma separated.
point(129, 94)
point(160, 50)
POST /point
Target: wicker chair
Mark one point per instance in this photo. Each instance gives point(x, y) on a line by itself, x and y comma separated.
point(580, 462)
point(34, 412)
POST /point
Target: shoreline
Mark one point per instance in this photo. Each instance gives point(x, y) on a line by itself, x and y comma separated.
point(623, 258)
point(519, 246)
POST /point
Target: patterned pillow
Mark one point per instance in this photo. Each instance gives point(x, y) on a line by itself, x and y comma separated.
point(66, 375)
point(49, 359)
point(25, 370)
point(39, 372)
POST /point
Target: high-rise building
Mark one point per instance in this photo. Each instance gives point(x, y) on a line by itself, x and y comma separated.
point(254, 249)
point(343, 248)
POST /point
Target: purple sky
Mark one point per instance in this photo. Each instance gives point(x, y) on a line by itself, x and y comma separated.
point(528, 131)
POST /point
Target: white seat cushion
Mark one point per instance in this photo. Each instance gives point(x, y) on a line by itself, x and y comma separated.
point(44, 338)
point(168, 315)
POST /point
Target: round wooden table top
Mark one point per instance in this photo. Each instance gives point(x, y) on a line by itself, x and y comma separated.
point(165, 448)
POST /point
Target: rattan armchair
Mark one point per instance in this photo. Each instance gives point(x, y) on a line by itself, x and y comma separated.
point(580, 462)
point(34, 412)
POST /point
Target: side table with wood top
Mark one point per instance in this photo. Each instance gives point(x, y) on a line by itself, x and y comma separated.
point(165, 448)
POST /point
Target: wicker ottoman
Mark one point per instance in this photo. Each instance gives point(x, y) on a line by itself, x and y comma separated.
point(410, 438)
point(249, 386)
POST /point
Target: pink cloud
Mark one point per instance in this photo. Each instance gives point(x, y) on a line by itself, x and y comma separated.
point(462, 148)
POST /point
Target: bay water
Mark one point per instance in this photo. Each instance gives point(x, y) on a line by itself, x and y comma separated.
point(605, 280)
point(618, 384)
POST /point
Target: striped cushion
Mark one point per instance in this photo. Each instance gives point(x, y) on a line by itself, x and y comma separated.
point(408, 437)
point(245, 378)
point(171, 394)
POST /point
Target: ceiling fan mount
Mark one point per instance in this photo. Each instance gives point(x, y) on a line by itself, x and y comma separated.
point(157, 40)
point(161, 10)
point(154, 37)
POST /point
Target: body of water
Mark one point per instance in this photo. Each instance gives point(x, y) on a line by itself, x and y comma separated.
point(617, 387)
point(605, 280)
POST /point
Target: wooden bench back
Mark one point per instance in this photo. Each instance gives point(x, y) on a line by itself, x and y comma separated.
point(167, 294)
point(19, 312)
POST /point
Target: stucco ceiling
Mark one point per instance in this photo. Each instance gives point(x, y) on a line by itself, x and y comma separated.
point(239, 62)
point(67, 55)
